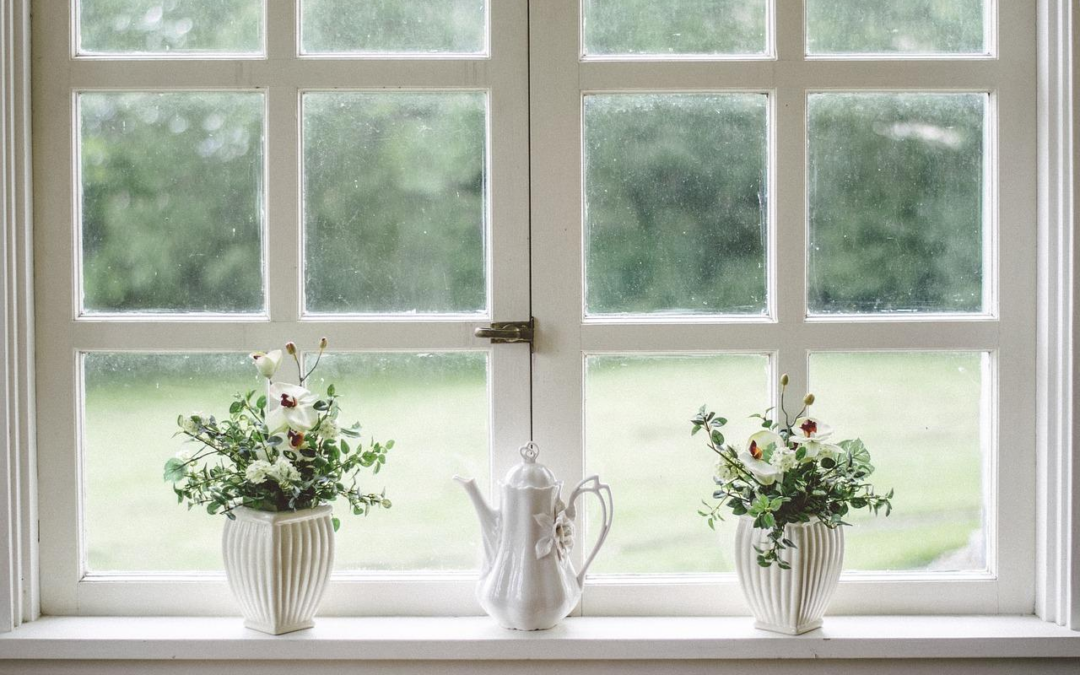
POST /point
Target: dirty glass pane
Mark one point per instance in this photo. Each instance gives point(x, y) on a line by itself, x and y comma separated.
point(131, 402)
point(676, 218)
point(395, 202)
point(172, 201)
point(393, 26)
point(896, 185)
point(637, 438)
point(674, 27)
point(896, 26)
point(435, 408)
point(170, 27)
point(924, 418)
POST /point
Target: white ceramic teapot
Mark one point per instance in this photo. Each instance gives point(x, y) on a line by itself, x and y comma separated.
point(527, 581)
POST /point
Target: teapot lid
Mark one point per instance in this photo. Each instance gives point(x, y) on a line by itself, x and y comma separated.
point(528, 473)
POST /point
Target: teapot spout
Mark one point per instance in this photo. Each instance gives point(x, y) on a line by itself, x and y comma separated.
point(489, 518)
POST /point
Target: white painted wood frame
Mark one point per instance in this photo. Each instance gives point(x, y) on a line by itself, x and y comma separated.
point(561, 76)
point(282, 75)
point(1057, 573)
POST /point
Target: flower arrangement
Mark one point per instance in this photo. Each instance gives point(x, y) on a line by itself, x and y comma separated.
point(789, 472)
point(283, 451)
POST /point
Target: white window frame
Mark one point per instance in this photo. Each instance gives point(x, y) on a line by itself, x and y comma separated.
point(283, 75)
point(1057, 573)
point(562, 76)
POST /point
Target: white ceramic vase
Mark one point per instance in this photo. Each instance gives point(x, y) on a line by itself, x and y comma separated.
point(790, 601)
point(278, 566)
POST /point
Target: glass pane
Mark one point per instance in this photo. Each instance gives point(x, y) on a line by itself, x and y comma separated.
point(170, 27)
point(172, 201)
point(676, 218)
point(131, 518)
point(395, 202)
point(674, 27)
point(637, 438)
point(435, 408)
point(394, 26)
point(892, 27)
point(923, 417)
point(896, 203)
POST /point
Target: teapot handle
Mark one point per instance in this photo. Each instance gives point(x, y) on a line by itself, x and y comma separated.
point(603, 492)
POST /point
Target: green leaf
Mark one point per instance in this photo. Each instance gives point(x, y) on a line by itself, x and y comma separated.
point(336, 521)
point(175, 470)
point(389, 444)
point(330, 391)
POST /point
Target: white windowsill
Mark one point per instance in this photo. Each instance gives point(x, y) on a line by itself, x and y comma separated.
point(477, 638)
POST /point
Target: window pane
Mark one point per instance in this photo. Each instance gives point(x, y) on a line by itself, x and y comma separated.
point(172, 201)
point(896, 203)
point(892, 27)
point(176, 27)
point(923, 417)
point(131, 519)
point(637, 438)
point(675, 203)
point(395, 202)
point(674, 27)
point(394, 26)
point(435, 408)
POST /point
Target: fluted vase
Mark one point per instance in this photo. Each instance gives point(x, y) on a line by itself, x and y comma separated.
point(791, 601)
point(278, 566)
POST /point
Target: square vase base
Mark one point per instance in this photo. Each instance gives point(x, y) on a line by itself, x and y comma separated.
point(789, 630)
point(280, 629)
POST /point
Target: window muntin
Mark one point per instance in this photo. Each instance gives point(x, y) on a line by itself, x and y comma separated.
point(390, 225)
point(172, 208)
point(397, 27)
point(191, 28)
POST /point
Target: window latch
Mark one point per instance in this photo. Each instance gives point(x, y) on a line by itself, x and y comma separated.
point(508, 332)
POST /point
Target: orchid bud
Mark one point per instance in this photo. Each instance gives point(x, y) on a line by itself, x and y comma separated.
point(291, 348)
point(784, 380)
point(323, 343)
point(808, 399)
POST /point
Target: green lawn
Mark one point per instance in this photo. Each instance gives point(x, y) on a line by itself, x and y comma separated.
point(917, 413)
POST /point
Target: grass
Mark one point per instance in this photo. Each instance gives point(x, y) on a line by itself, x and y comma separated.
point(917, 413)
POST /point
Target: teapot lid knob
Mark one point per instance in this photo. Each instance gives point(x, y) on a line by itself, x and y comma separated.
point(529, 452)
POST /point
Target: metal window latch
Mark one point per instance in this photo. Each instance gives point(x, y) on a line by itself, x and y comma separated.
point(508, 332)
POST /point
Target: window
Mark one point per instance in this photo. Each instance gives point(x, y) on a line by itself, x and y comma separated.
point(690, 197)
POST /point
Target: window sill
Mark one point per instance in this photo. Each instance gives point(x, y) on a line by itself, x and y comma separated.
point(577, 639)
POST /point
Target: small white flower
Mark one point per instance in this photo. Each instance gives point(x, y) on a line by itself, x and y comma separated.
point(784, 460)
point(257, 472)
point(267, 362)
point(329, 429)
point(185, 454)
point(283, 472)
point(725, 472)
point(190, 424)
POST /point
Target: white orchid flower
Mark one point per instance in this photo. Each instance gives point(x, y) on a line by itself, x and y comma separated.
point(758, 443)
point(765, 473)
point(808, 429)
point(292, 407)
point(267, 362)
